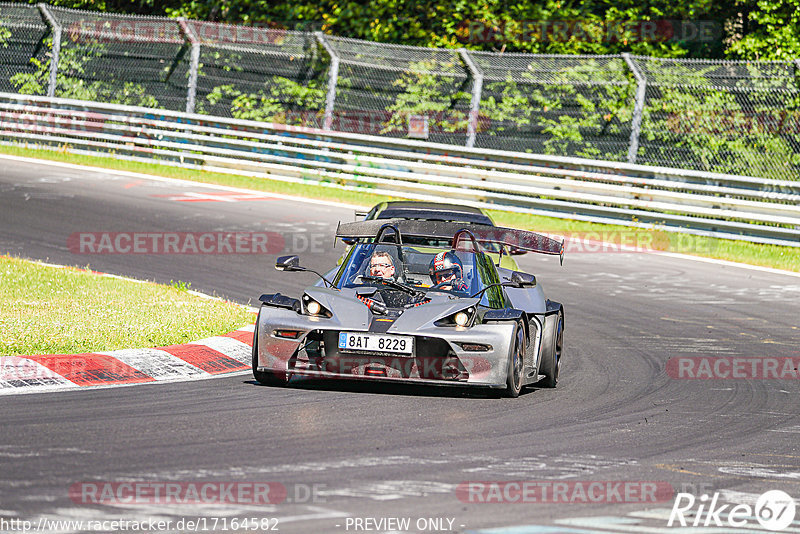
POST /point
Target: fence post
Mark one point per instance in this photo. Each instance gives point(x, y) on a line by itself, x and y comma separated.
point(333, 76)
point(56, 29)
point(797, 71)
point(194, 64)
point(475, 101)
point(638, 109)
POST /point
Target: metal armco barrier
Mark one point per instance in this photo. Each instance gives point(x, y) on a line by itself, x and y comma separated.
point(735, 207)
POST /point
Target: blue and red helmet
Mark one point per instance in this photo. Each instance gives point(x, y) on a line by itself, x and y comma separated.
point(445, 265)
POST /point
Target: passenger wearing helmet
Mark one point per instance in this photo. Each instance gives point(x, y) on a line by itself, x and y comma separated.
point(446, 269)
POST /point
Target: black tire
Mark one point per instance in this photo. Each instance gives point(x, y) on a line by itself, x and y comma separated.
point(516, 364)
point(265, 378)
point(551, 360)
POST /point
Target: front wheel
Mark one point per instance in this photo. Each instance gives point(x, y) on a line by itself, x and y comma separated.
point(265, 378)
point(515, 364)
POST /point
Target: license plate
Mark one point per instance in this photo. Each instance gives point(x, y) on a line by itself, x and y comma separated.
point(376, 342)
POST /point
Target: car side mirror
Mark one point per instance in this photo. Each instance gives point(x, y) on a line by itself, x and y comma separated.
point(280, 301)
point(520, 279)
point(514, 251)
point(288, 263)
point(348, 241)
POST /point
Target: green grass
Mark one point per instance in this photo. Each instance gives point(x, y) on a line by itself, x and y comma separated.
point(47, 310)
point(778, 257)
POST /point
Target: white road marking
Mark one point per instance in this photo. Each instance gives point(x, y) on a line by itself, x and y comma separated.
point(192, 196)
point(317, 513)
point(789, 430)
point(556, 468)
point(390, 490)
point(759, 472)
point(653, 521)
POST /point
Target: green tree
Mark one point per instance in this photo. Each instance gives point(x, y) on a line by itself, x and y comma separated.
point(741, 130)
point(426, 89)
point(581, 109)
point(766, 29)
point(490, 25)
point(138, 7)
point(72, 80)
point(274, 102)
point(770, 30)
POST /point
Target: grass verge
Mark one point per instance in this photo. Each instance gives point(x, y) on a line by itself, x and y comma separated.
point(51, 310)
point(787, 258)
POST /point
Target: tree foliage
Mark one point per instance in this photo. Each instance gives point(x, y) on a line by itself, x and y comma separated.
point(768, 31)
point(72, 83)
point(279, 100)
point(695, 28)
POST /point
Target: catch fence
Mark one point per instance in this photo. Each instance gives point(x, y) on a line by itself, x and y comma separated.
point(732, 117)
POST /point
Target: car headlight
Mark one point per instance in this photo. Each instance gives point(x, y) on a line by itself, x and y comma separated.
point(314, 308)
point(463, 318)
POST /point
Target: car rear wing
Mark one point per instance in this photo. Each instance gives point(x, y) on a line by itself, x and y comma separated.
point(383, 229)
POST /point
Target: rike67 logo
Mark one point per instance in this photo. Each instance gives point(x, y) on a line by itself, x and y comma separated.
point(774, 510)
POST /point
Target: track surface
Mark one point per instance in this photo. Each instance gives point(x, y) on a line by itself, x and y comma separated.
point(372, 451)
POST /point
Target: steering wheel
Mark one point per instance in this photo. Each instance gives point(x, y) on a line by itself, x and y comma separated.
point(441, 284)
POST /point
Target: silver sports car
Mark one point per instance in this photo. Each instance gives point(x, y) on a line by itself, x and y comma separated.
point(395, 311)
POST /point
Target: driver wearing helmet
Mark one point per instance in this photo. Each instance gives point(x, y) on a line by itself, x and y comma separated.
point(447, 272)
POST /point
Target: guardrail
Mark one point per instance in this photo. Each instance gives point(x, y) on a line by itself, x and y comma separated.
point(735, 207)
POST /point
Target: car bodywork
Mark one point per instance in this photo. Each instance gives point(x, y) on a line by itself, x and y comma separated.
point(507, 336)
point(428, 211)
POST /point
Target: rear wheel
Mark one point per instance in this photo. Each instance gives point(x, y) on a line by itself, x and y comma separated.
point(515, 364)
point(551, 361)
point(265, 378)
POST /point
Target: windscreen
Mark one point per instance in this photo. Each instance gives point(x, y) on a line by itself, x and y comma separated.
point(455, 272)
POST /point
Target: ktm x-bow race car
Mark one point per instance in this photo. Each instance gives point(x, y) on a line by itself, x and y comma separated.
point(400, 312)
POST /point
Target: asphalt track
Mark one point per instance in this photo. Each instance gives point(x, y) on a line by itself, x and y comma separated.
point(377, 452)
